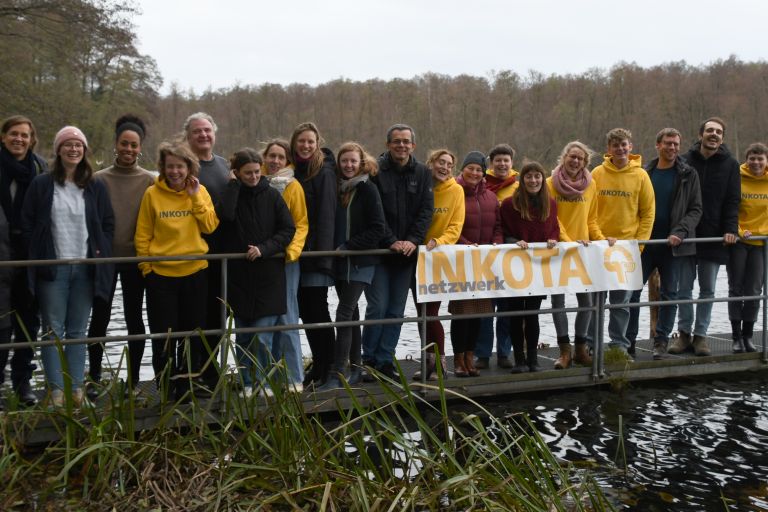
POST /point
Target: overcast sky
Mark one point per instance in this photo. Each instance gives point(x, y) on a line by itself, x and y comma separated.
point(222, 43)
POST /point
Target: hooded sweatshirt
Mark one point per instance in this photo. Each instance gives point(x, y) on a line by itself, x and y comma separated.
point(170, 223)
point(626, 205)
point(503, 188)
point(293, 194)
point(577, 216)
point(753, 209)
point(448, 216)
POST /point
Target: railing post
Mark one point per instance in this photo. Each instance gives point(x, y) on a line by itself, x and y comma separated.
point(224, 347)
point(597, 352)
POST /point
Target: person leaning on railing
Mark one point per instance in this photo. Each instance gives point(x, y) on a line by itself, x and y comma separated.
point(445, 228)
point(746, 263)
point(173, 215)
point(67, 214)
point(530, 215)
point(574, 191)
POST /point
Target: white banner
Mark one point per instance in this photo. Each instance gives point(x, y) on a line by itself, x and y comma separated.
point(469, 272)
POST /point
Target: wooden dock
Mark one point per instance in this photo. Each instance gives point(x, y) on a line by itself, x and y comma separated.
point(32, 427)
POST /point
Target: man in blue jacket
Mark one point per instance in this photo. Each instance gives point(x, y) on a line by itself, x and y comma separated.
point(405, 186)
point(720, 194)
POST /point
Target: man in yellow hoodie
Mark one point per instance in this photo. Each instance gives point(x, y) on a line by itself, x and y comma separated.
point(625, 211)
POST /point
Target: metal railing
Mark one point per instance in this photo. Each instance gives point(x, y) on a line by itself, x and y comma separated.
point(598, 308)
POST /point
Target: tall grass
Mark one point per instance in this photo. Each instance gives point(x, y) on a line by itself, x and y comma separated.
point(389, 451)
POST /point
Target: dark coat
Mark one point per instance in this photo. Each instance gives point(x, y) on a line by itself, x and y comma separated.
point(686, 208)
point(255, 216)
point(364, 227)
point(6, 274)
point(482, 223)
point(407, 198)
point(38, 234)
point(720, 196)
point(320, 195)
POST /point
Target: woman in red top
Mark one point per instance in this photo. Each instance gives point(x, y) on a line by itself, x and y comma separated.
point(481, 226)
point(529, 215)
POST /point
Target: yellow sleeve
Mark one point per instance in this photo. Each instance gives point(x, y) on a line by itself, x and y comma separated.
point(297, 205)
point(646, 209)
point(595, 233)
point(145, 228)
point(202, 209)
point(452, 231)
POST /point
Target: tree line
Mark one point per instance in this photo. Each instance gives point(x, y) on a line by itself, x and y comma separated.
point(80, 65)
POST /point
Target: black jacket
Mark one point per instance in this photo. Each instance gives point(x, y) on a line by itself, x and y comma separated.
point(720, 195)
point(406, 194)
point(363, 227)
point(255, 216)
point(6, 274)
point(685, 210)
point(38, 234)
point(320, 195)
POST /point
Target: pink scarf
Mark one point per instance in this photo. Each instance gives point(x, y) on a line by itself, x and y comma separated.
point(568, 187)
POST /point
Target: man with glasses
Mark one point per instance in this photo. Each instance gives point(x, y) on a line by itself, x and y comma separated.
point(405, 186)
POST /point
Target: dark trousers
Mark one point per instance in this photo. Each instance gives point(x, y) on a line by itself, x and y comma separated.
point(25, 322)
point(524, 330)
point(213, 320)
point(745, 277)
point(348, 339)
point(464, 334)
point(313, 308)
point(132, 285)
point(176, 304)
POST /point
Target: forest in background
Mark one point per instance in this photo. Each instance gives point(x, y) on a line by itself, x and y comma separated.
point(76, 62)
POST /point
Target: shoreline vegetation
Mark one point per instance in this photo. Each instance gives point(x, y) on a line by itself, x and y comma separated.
point(267, 453)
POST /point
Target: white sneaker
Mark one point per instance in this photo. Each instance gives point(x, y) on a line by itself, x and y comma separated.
point(267, 392)
point(57, 398)
point(297, 387)
point(247, 392)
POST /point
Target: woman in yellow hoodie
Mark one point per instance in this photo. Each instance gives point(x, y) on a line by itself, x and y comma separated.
point(174, 212)
point(745, 264)
point(445, 228)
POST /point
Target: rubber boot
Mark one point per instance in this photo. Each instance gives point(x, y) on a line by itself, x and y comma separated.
point(564, 361)
point(746, 336)
point(738, 344)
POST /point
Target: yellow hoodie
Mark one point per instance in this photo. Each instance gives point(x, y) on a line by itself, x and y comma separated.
point(753, 209)
point(297, 205)
point(577, 218)
point(448, 215)
point(626, 205)
point(507, 191)
point(170, 223)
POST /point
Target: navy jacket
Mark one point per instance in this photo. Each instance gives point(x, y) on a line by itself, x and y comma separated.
point(720, 195)
point(363, 227)
point(406, 194)
point(38, 234)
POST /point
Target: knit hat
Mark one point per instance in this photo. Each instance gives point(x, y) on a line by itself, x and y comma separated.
point(474, 157)
point(68, 133)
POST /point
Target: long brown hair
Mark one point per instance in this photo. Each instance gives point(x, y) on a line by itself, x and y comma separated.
point(316, 162)
point(525, 202)
point(368, 165)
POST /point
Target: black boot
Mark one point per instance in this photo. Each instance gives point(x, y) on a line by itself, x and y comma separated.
point(746, 336)
point(738, 344)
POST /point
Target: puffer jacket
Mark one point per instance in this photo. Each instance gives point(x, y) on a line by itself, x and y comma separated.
point(482, 223)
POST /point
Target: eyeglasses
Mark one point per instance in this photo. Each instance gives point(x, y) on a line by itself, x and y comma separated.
point(72, 145)
point(401, 142)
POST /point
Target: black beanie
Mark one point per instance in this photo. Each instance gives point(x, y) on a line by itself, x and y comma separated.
point(474, 157)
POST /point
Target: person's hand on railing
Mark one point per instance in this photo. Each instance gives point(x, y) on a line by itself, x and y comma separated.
point(747, 234)
point(611, 241)
point(431, 244)
point(730, 239)
point(585, 243)
point(551, 243)
point(253, 253)
point(522, 244)
point(674, 241)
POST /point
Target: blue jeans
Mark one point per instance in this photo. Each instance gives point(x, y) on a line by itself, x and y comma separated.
point(707, 274)
point(583, 318)
point(386, 298)
point(287, 344)
point(657, 257)
point(618, 319)
point(254, 351)
point(65, 305)
point(484, 345)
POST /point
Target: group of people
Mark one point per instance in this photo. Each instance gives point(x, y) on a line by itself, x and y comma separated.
point(295, 196)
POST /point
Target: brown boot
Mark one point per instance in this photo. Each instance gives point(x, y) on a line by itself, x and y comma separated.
point(581, 354)
point(700, 347)
point(459, 367)
point(681, 344)
point(469, 363)
point(564, 361)
point(430, 368)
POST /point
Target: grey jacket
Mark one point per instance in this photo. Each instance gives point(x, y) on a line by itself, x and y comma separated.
point(686, 205)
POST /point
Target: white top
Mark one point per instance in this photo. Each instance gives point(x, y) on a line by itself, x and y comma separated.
point(70, 232)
